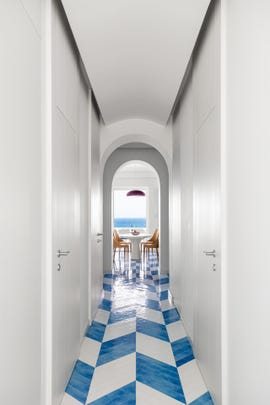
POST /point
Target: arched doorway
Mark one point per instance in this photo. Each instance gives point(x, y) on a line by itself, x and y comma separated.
point(136, 212)
point(119, 157)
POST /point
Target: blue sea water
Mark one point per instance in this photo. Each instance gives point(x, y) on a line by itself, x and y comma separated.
point(130, 222)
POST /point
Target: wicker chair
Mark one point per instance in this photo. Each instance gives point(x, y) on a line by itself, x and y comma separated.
point(119, 243)
point(150, 240)
point(152, 245)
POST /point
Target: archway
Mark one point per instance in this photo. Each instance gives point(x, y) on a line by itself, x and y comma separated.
point(113, 163)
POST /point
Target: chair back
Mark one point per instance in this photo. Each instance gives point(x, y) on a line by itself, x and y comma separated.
point(116, 235)
point(155, 236)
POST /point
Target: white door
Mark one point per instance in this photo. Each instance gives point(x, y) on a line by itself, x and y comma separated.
point(207, 323)
point(66, 278)
point(96, 241)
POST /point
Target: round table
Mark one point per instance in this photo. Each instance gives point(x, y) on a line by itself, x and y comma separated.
point(135, 240)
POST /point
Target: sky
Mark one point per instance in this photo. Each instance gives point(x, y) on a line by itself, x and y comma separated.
point(128, 207)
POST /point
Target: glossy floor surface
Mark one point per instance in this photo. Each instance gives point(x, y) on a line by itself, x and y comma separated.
point(136, 351)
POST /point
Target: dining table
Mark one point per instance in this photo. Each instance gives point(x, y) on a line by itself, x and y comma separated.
point(135, 240)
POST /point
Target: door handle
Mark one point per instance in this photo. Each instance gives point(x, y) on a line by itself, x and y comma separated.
point(62, 253)
point(99, 234)
point(210, 252)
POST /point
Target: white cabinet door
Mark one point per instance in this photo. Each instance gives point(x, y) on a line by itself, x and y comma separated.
point(207, 336)
point(66, 278)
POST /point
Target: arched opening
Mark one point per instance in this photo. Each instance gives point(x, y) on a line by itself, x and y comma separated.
point(135, 209)
point(147, 155)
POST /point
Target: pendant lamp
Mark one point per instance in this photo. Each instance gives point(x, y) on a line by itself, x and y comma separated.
point(135, 193)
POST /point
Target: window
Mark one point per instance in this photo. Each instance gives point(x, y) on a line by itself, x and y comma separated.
point(129, 212)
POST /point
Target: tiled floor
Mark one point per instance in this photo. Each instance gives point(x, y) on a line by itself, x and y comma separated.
point(136, 351)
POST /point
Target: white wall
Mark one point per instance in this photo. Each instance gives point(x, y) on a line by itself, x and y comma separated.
point(182, 268)
point(70, 109)
point(246, 168)
point(20, 214)
point(197, 113)
point(96, 224)
point(84, 100)
point(136, 130)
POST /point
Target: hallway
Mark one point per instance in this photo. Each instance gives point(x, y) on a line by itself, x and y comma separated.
point(92, 86)
point(136, 351)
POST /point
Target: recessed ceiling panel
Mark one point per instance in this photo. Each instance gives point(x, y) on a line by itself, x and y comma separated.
point(135, 52)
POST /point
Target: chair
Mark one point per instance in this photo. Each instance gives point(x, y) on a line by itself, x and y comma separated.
point(119, 243)
point(117, 237)
point(152, 245)
point(152, 239)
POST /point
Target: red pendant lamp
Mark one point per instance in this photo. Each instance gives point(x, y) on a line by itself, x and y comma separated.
point(135, 193)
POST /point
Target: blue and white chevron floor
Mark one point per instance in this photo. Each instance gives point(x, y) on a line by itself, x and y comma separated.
point(136, 351)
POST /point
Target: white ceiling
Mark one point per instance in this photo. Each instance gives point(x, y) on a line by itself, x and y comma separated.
point(135, 52)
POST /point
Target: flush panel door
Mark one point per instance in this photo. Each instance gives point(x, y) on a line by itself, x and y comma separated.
point(66, 278)
point(207, 324)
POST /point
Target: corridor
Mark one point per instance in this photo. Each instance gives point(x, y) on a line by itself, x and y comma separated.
point(101, 98)
point(136, 351)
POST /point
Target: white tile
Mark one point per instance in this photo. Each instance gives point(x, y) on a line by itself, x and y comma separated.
point(146, 395)
point(108, 280)
point(90, 351)
point(124, 302)
point(107, 295)
point(192, 381)
point(176, 331)
point(162, 287)
point(118, 329)
point(68, 400)
point(165, 304)
point(150, 315)
point(155, 348)
point(111, 376)
point(151, 295)
point(145, 281)
point(163, 275)
point(102, 316)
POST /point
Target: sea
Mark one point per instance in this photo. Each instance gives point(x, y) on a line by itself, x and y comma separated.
point(129, 222)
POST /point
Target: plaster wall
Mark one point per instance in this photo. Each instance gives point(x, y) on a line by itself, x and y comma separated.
point(136, 130)
point(69, 106)
point(96, 226)
point(246, 221)
point(21, 201)
point(197, 114)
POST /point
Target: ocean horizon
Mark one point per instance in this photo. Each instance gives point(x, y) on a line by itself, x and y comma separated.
point(129, 222)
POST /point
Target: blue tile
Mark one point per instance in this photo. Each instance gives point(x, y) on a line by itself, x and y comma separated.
point(110, 275)
point(162, 281)
point(205, 399)
point(106, 305)
point(123, 396)
point(171, 315)
point(107, 287)
point(96, 331)
point(154, 272)
point(152, 329)
point(182, 351)
point(152, 304)
point(122, 314)
point(163, 295)
point(116, 348)
point(160, 376)
point(80, 380)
